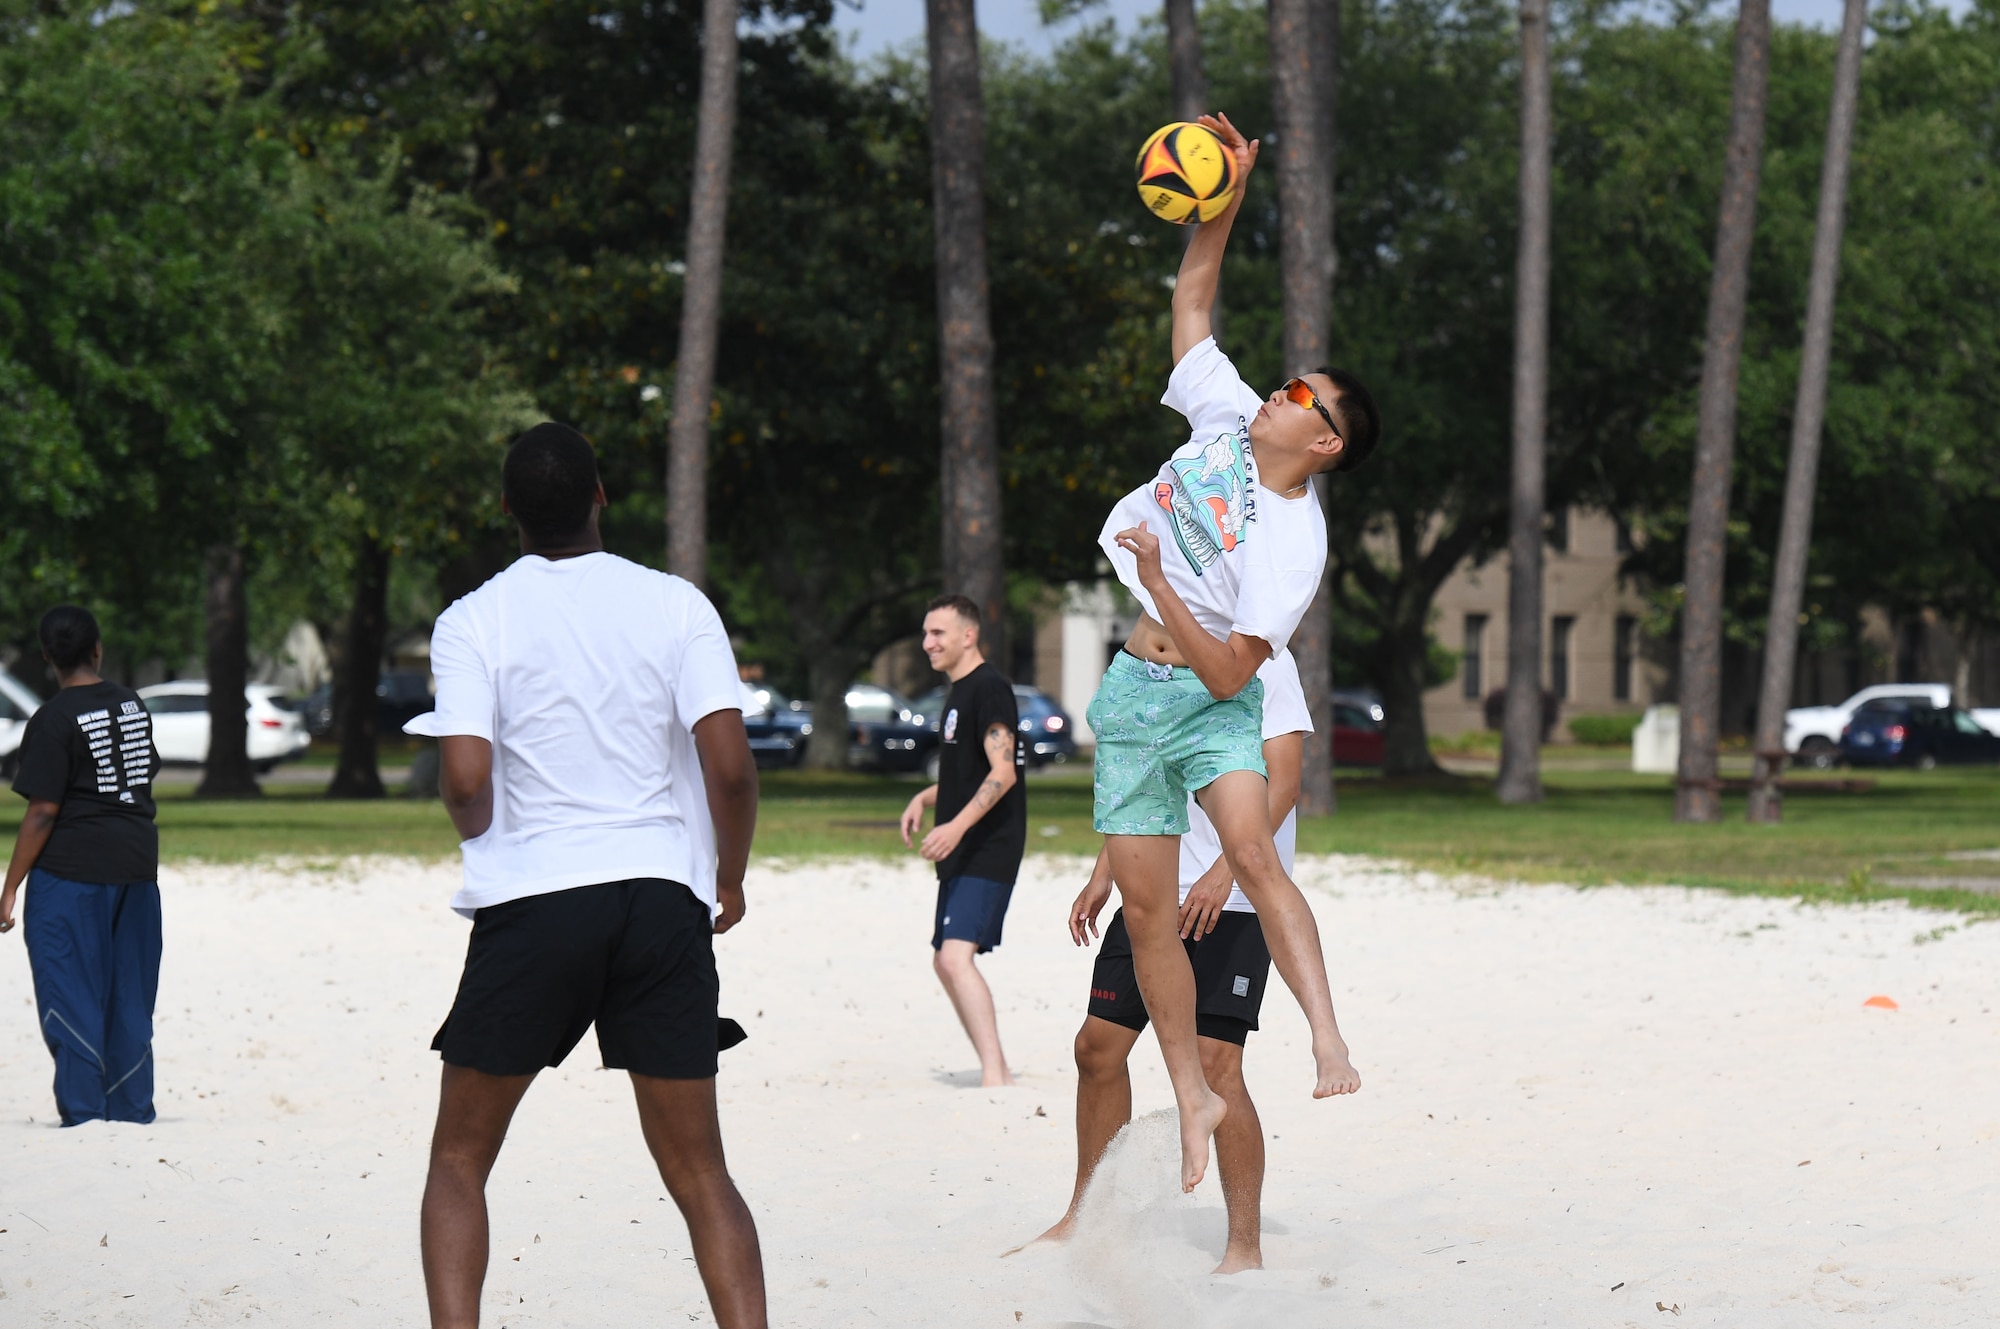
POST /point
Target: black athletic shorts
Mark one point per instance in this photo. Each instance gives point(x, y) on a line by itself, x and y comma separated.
point(635, 957)
point(1231, 965)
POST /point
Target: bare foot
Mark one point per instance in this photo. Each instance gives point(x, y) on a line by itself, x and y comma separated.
point(1336, 1073)
point(1056, 1235)
point(1196, 1127)
point(1235, 1260)
point(1000, 1079)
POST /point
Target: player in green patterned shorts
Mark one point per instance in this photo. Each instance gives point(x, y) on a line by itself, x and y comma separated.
point(1223, 550)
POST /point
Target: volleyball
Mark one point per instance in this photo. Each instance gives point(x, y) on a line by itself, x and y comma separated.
point(1186, 175)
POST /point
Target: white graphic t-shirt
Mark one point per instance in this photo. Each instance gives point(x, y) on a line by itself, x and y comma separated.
point(1284, 713)
point(1243, 557)
point(587, 675)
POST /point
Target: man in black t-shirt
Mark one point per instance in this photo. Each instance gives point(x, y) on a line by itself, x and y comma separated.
point(91, 856)
point(982, 819)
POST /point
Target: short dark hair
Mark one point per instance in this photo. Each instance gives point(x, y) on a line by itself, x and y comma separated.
point(962, 605)
point(1360, 419)
point(69, 634)
point(550, 479)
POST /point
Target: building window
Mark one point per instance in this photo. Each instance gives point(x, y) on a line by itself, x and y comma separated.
point(1559, 530)
point(1624, 635)
point(1623, 534)
point(1475, 639)
point(1560, 628)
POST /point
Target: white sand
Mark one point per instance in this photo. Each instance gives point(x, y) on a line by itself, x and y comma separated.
point(1564, 1091)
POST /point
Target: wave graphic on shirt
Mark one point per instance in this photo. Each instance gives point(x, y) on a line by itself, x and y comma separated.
point(1206, 500)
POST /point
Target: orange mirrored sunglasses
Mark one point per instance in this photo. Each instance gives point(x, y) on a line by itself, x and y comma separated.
point(1300, 393)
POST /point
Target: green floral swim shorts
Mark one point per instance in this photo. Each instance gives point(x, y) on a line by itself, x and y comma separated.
point(1161, 736)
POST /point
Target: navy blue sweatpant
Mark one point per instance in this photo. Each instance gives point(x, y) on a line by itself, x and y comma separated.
point(95, 954)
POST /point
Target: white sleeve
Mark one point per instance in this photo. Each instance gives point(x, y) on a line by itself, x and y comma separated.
point(1206, 388)
point(1271, 603)
point(465, 696)
point(1284, 697)
point(706, 681)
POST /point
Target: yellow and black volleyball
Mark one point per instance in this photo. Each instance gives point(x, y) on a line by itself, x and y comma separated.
point(1186, 175)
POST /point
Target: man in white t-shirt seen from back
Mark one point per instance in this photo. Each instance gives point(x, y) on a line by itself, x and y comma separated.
point(1225, 947)
point(1224, 550)
point(594, 762)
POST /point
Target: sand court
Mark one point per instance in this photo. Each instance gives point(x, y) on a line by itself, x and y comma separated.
point(1578, 1107)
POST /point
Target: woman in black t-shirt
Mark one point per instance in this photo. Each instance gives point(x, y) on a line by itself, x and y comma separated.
point(90, 855)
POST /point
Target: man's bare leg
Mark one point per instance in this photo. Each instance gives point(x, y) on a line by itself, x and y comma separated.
point(1103, 1103)
point(473, 1111)
point(973, 1001)
point(1145, 868)
point(1239, 1157)
point(685, 1137)
point(1237, 804)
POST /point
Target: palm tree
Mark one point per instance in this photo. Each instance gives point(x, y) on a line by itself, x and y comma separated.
point(1305, 70)
point(1698, 795)
point(970, 469)
point(1521, 729)
point(701, 300)
point(1788, 581)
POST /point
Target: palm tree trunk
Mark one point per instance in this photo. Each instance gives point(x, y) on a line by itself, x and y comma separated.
point(1190, 85)
point(1190, 97)
point(1305, 69)
point(701, 300)
point(226, 772)
point(970, 465)
point(1521, 728)
point(355, 708)
point(1788, 581)
point(1698, 794)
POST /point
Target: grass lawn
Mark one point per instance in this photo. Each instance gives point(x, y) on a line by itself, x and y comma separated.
point(1597, 827)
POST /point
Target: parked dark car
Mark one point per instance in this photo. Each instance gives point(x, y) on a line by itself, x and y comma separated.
point(1893, 732)
point(401, 695)
point(1046, 729)
point(778, 727)
point(886, 732)
point(1357, 729)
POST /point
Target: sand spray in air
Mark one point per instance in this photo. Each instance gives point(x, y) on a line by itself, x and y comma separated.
point(1131, 1254)
point(1143, 1252)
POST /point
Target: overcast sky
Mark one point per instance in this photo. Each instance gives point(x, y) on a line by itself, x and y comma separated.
point(875, 24)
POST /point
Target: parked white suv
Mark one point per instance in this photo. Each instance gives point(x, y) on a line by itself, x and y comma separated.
point(1812, 733)
point(180, 722)
point(17, 702)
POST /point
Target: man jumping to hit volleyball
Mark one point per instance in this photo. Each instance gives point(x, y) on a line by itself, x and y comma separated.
point(1231, 966)
point(1224, 551)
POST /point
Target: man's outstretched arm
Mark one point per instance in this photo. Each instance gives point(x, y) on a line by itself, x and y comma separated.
point(1201, 265)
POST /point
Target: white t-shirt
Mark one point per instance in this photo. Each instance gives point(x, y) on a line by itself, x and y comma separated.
point(1284, 713)
point(587, 675)
point(1243, 557)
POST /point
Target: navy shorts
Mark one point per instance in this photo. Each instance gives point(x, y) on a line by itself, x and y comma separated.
point(971, 909)
point(1231, 966)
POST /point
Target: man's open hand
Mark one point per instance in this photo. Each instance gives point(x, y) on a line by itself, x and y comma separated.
point(1205, 899)
point(1144, 546)
point(941, 842)
point(1244, 150)
point(1089, 904)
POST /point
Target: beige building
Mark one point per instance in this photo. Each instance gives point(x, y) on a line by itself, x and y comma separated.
point(1593, 656)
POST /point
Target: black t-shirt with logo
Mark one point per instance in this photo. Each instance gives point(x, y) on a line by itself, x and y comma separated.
point(993, 847)
point(90, 749)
